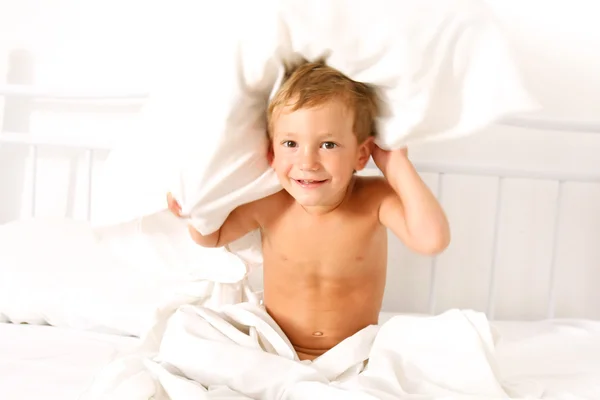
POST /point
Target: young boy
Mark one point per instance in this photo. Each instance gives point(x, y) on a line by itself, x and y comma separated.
point(324, 237)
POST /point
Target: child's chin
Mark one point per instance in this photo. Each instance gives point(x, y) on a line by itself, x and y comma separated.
point(307, 201)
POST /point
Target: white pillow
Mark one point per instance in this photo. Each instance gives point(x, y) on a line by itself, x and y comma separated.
point(443, 68)
point(62, 273)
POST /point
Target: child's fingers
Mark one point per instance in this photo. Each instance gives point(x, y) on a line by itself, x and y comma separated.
point(173, 205)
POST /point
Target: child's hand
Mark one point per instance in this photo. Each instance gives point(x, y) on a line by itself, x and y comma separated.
point(384, 159)
point(174, 206)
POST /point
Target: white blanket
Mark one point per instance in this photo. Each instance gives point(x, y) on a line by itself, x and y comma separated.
point(239, 352)
point(443, 69)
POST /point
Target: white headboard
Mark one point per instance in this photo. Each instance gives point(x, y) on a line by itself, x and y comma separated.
point(525, 240)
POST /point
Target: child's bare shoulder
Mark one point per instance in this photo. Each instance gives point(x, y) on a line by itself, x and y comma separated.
point(370, 191)
point(272, 205)
point(279, 199)
point(374, 187)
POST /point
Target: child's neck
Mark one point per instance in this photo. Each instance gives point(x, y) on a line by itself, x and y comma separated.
point(320, 210)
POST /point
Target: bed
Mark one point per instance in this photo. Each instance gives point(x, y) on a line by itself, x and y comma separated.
point(517, 258)
point(59, 363)
point(51, 362)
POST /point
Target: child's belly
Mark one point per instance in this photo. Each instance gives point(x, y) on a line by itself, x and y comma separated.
point(316, 313)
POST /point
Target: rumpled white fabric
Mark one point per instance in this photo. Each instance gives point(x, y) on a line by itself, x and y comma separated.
point(238, 352)
point(443, 69)
point(117, 280)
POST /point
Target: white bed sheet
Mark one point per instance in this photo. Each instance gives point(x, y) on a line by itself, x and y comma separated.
point(546, 359)
point(559, 359)
point(44, 362)
point(550, 359)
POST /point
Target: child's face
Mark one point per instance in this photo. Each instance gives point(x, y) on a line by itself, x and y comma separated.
point(315, 153)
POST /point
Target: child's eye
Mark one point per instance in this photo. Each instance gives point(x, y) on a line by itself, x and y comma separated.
point(288, 143)
point(329, 145)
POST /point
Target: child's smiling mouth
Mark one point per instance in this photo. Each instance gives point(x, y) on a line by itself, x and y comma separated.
point(309, 183)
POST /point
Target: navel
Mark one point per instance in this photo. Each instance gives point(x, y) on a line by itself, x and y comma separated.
point(318, 333)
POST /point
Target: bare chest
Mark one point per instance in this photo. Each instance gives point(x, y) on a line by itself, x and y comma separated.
point(346, 244)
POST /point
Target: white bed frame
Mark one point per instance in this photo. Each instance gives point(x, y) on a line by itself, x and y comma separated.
point(441, 169)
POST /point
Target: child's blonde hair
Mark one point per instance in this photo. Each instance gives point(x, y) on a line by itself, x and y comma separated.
point(314, 83)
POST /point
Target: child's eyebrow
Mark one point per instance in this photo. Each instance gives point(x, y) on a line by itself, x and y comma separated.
point(285, 134)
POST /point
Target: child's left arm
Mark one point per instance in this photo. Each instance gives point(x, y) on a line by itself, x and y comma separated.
point(408, 207)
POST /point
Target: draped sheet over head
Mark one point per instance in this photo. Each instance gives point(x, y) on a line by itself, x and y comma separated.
point(442, 69)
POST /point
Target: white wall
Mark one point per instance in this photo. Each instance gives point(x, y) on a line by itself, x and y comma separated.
point(558, 47)
point(526, 228)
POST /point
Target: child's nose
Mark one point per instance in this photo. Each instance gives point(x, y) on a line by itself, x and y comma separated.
point(309, 160)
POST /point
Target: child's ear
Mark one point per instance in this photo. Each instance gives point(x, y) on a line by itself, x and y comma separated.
point(364, 153)
point(270, 154)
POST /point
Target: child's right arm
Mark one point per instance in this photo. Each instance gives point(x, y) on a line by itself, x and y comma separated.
point(240, 221)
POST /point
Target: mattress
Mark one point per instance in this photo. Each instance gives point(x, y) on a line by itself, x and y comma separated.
point(44, 362)
point(557, 359)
